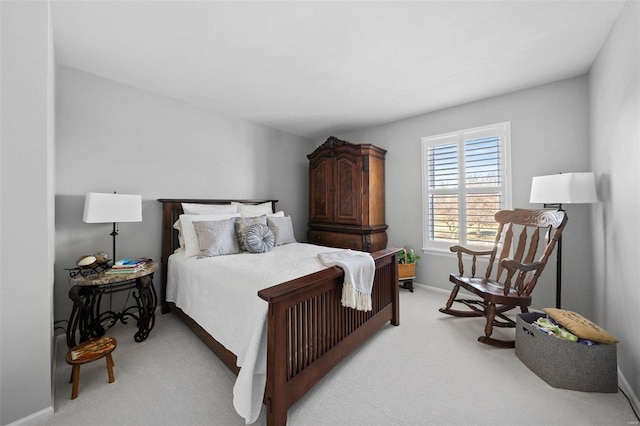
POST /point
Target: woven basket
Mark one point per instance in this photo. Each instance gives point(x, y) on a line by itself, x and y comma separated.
point(406, 270)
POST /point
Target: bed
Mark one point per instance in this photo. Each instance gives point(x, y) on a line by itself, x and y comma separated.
point(306, 330)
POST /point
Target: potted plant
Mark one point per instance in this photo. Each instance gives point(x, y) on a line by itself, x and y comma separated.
point(407, 260)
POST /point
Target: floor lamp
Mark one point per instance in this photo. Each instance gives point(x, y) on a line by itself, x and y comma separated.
point(112, 208)
point(555, 190)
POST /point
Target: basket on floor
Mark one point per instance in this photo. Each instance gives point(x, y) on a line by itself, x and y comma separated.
point(406, 270)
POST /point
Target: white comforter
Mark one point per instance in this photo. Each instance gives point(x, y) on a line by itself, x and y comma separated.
point(220, 294)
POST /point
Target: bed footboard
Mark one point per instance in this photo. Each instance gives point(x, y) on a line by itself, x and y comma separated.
point(310, 332)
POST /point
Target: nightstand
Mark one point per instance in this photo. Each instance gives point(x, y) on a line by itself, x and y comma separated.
point(87, 316)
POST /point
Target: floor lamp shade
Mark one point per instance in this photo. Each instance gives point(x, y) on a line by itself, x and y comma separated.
point(112, 208)
point(564, 188)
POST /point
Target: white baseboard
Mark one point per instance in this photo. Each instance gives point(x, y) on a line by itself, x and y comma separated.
point(436, 289)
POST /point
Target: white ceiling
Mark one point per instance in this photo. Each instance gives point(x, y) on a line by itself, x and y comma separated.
point(315, 68)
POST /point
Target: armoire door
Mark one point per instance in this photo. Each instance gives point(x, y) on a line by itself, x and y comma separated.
point(321, 192)
point(348, 190)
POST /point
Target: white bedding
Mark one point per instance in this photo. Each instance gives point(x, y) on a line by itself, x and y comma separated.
point(220, 294)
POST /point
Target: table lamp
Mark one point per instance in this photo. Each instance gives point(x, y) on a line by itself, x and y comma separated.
point(112, 208)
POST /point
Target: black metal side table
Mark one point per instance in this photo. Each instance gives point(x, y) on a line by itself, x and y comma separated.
point(86, 293)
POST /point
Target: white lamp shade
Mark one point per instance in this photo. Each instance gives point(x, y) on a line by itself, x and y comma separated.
point(564, 188)
point(107, 208)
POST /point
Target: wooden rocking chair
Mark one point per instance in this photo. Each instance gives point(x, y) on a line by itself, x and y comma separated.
point(499, 296)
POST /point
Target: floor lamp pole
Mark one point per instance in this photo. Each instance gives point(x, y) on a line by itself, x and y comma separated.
point(558, 260)
point(559, 273)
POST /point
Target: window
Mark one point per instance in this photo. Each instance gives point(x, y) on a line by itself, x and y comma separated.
point(465, 180)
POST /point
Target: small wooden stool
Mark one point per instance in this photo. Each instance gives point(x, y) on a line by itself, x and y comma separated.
point(88, 351)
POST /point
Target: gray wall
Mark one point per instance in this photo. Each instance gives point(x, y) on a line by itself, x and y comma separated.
point(26, 210)
point(113, 137)
point(549, 134)
point(615, 144)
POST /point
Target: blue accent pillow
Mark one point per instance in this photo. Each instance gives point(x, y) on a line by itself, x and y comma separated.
point(259, 238)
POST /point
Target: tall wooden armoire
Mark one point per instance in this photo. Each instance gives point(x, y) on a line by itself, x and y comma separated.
point(346, 196)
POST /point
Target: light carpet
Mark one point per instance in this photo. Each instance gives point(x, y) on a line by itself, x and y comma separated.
point(428, 371)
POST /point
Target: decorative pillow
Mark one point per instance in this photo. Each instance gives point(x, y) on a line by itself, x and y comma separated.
point(282, 229)
point(259, 238)
point(216, 238)
point(242, 226)
point(191, 247)
point(253, 210)
point(191, 208)
point(580, 326)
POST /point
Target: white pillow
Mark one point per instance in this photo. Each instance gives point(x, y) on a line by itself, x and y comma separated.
point(276, 214)
point(191, 247)
point(191, 208)
point(178, 227)
point(253, 210)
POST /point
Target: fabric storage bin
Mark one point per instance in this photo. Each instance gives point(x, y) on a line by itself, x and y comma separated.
point(564, 364)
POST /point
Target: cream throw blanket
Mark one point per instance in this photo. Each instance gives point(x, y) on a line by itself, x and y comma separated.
point(359, 270)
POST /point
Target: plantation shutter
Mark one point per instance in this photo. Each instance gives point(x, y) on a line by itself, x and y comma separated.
point(443, 192)
point(483, 179)
point(465, 185)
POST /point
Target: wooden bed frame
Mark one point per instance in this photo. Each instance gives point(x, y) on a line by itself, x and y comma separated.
point(308, 331)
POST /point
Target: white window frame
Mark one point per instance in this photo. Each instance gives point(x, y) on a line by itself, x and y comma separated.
point(503, 132)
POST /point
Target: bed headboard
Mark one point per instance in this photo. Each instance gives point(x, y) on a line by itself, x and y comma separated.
point(171, 211)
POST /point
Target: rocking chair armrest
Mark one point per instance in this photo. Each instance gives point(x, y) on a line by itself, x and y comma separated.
point(520, 270)
point(457, 248)
point(510, 264)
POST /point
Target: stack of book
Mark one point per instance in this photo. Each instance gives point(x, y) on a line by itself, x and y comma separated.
point(128, 266)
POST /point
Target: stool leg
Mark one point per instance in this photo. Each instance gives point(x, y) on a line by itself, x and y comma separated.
point(75, 374)
point(110, 368)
